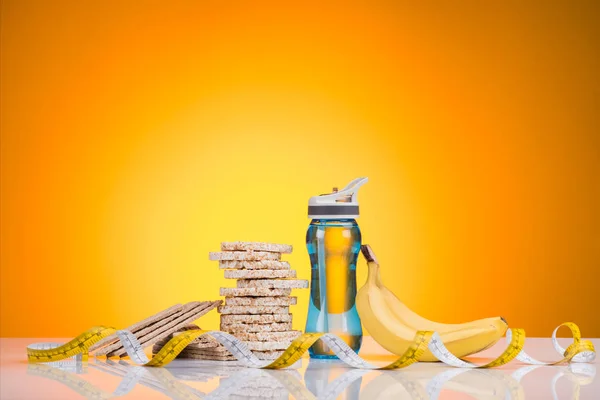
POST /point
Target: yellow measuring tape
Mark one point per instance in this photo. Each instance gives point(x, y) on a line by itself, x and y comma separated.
point(580, 350)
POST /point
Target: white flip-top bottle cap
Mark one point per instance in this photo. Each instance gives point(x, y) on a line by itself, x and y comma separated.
point(342, 204)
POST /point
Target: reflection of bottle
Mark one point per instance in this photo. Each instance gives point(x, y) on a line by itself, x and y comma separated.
point(328, 382)
point(333, 241)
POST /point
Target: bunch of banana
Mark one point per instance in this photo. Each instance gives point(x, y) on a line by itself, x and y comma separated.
point(393, 325)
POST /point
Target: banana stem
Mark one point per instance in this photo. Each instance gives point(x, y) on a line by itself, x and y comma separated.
point(369, 255)
point(373, 276)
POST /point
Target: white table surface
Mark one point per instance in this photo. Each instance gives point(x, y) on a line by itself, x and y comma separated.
point(190, 379)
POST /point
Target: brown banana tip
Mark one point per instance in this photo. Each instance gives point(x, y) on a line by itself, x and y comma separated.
point(368, 253)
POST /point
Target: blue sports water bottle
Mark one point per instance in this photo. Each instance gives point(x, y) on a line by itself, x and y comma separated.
point(333, 241)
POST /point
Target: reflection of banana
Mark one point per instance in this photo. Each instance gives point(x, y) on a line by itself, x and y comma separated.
point(393, 386)
point(411, 384)
point(393, 325)
point(477, 383)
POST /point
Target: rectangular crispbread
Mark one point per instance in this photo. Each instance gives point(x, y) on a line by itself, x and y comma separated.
point(152, 334)
point(224, 310)
point(256, 246)
point(260, 274)
point(254, 292)
point(201, 339)
point(243, 327)
point(268, 346)
point(268, 336)
point(243, 256)
point(254, 265)
point(272, 283)
point(260, 301)
point(216, 350)
point(205, 341)
point(256, 319)
point(157, 346)
point(195, 311)
point(212, 357)
point(135, 328)
point(151, 331)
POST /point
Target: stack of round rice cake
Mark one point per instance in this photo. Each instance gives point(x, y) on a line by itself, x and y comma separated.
point(257, 310)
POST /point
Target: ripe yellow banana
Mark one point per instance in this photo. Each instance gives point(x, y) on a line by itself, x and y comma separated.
point(393, 325)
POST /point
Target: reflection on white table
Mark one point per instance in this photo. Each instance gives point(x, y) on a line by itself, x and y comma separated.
point(308, 379)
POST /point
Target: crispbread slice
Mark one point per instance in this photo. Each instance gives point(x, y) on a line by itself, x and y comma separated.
point(204, 345)
point(141, 334)
point(260, 274)
point(256, 319)
point(243, 256)
point(224, 310)
point(216, 350)
point(268, 346)
point(140, 331)
point(196, 310)
point(268, 336)
point(256, 246)
point(135, 328)
point(205, 341)
point(213, 357)
point(253, 265)
point(188, 327)
point(260, 301)
point(157, 346)
point(192, 311)
point(242, 327)
point(194, 345)
point(273, 283)
point(254, 292)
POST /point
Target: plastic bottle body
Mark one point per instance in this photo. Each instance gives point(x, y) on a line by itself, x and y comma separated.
point(333, 246)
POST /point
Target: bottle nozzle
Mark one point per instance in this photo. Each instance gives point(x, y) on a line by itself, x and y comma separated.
point(341, 204)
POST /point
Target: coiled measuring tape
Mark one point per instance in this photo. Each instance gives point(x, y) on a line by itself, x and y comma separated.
point(579, 351)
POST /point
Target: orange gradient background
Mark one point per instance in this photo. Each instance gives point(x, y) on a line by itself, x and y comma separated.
point(138, 135)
